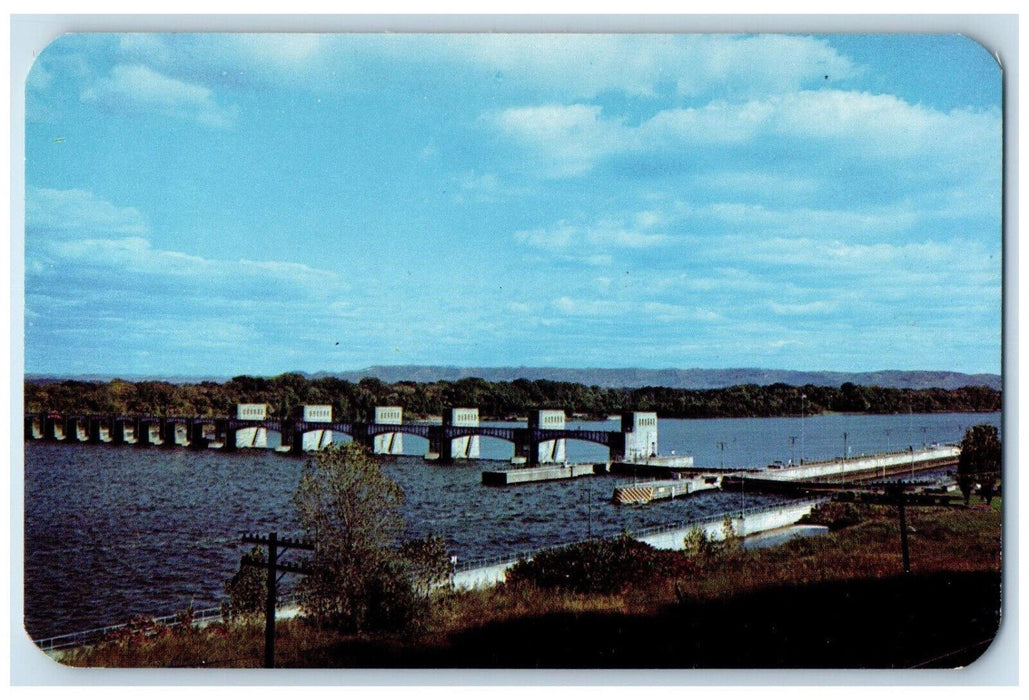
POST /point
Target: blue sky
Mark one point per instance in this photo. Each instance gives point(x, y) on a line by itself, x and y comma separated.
point(229, 204)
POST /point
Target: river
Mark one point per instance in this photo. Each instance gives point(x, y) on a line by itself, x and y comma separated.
point(113, 532)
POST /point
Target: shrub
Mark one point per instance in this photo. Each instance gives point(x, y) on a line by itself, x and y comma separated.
point(598, 566)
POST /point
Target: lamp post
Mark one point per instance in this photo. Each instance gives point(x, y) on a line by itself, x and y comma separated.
point(793, 449)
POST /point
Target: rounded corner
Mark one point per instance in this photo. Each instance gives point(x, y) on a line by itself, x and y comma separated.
point(40, 53)
point(994, 55)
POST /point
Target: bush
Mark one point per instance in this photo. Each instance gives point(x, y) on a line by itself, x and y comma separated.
point(598, 566)
point(836, 516)
point(247, 589)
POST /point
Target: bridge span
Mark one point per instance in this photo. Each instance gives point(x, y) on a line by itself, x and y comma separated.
point(540, 441)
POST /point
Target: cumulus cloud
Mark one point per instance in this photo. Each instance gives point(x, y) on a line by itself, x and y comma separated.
point(570, 138)
point(134, 263)
point(71, 211)
point(586, 65)
point(138, 88)
point(854, 126)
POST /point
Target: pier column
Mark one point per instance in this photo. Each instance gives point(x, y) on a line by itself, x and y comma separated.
point(464, 446)
point(168, 427)
point(616, 448)
point(148, 432)
point(548, 451)
point(197, 440)
point(526, 449)
point(437, 440)
point(117, 430)
point(388, 443)
point(359, 433)
point(227, 431)
point(35, 427)
point(94, 426)
point(53, 428)
point(296, 445)
point(314, 438)
point(640, 431)
point(71, 430)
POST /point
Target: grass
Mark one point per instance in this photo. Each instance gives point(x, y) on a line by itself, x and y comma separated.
point(840, 600)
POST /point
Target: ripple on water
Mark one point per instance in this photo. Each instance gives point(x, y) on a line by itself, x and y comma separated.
point(115, 532)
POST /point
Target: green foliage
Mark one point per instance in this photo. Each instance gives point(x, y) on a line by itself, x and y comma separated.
point(286, 393)
point(732, 541)
point(429, 564)
point(363, 579)
point(597, 566)
point(696, 543)
point(247, 590)
point(836, 515)
point(980, 461)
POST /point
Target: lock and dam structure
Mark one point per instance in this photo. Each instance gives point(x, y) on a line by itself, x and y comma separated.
point(456, 437)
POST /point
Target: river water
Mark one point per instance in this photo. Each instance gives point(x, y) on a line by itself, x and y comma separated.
point(113, 532)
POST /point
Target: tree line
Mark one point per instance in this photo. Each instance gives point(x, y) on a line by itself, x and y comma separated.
point(287, 393)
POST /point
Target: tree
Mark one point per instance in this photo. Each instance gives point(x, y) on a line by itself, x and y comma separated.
point(361, 578)
point(979, 461)
point(247, 589)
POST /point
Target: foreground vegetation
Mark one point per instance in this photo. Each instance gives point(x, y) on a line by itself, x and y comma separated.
point(286, 393)
point(837, 600)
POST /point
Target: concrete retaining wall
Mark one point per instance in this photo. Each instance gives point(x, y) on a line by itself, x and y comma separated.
point(859, 464)
point(483, 577)
point(747, 525)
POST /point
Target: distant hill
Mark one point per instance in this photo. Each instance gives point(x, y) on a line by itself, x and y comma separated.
point(677, 378)
point(618, 378)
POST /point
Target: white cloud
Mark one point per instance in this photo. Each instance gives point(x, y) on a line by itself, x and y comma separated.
point(584, 239)
point(750, 65)
point(135, 258)
point(61, 212)
point(137, 87)
point(804, 309)
point(572, 139)
point(586, 65)
point(632, 311)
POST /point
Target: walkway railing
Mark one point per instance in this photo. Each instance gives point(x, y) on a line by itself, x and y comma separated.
point(200, 618)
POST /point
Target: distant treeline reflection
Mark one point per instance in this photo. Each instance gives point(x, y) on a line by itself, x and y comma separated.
point(286, 393)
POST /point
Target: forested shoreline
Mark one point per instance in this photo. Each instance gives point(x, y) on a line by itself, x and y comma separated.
point(286, 393)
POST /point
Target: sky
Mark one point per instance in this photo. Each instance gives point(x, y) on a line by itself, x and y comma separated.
point(224, 204)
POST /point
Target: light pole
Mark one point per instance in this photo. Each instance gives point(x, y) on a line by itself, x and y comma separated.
point(793, 450)
point(721, 456)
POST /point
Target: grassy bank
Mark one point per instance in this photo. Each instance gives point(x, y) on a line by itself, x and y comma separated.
point(838, 600)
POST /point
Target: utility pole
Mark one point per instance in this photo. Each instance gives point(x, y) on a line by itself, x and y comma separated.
point(897, 490)
point(273, 543)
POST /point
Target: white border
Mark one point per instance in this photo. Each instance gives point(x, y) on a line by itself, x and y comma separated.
point(30, 33)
